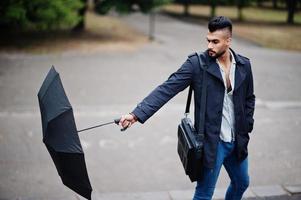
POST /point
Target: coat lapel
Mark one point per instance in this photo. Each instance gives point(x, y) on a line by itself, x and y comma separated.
point(240, 76)
point(214, 70)
point(240, 73)
point(213, 67)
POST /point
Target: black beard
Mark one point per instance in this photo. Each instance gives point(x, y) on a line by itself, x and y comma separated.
point(217, 55)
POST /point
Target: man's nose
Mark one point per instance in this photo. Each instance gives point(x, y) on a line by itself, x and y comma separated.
point(210, 45)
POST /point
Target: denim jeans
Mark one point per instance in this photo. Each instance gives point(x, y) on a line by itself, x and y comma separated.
point(237, 171)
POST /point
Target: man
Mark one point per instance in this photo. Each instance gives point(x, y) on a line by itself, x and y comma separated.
point(229, 109)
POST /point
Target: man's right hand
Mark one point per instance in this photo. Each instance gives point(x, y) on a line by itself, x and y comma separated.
point(127, 120)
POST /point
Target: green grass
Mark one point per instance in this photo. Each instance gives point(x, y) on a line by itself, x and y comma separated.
point(251, 14)
point(265, 27)
point(259, 15)
point(288, 38)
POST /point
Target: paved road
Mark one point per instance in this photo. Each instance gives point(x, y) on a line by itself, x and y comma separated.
point(104, 85)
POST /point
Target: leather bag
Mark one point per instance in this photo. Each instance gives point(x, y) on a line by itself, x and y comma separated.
point(190, 140)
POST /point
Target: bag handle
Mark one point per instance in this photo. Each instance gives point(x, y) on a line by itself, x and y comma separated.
point(203, 97)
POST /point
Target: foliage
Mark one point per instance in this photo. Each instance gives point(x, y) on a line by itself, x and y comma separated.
point(39, 14)
point(216, 2)
point(123, 7)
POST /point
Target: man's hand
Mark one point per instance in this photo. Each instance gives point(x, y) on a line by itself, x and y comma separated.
point(127, 120)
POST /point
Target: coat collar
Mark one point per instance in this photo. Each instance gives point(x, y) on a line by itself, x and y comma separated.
point(213, 68)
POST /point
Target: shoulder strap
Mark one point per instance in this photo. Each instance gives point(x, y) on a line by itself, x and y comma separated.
point(188, 100)
point(201, 128)
point(203, 97)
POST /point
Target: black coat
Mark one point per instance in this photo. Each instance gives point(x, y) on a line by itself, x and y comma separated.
point(190, 73)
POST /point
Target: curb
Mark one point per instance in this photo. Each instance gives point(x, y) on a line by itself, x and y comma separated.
point(284, 192)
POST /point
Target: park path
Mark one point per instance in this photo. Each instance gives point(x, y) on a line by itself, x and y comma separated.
point(103, 85)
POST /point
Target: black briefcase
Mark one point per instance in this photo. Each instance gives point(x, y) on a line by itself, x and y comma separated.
point(190, 149)
point(190, 140)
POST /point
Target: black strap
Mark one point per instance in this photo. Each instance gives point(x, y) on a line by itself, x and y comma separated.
point(203, 97)
point(188, 100)
point(201, 129)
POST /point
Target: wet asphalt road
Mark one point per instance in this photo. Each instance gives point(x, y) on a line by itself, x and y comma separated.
point(104, 85)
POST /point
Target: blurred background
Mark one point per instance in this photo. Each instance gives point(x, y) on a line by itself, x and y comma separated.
point(32, 24)
point(110, 54)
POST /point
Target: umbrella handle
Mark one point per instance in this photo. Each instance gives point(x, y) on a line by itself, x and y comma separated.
point(117, 122)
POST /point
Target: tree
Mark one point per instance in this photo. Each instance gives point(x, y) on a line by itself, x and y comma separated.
point(259, 3)
point(186, 7)
point(23, 15)
point(275, 4)
point(186, 4)
point(291, 6)
point(127, 6)
point(80, 26)
point(213, 4)
point(240, 5)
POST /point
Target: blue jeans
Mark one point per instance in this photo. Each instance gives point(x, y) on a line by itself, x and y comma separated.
point(237, 171)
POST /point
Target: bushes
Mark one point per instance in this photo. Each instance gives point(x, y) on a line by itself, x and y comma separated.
point(24, 15)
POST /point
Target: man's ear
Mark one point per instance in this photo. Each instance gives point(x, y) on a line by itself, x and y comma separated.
point(229, 40)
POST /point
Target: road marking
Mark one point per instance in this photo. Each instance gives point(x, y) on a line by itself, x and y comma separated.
point(133, 143)
point(30, 133)
point(167, 140)
point(107, 144)
point(278, 104)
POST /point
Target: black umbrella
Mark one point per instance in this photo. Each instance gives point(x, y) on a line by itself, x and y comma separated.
point(60, 135)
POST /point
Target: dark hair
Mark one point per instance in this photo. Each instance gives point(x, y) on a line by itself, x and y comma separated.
point(220, 22)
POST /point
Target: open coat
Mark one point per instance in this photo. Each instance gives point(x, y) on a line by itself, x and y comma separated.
point(190, 73)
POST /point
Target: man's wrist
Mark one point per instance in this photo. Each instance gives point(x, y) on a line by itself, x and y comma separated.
point(134, 116)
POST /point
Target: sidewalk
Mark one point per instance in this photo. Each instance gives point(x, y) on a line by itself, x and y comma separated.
point(104, 85)
point(273, 192)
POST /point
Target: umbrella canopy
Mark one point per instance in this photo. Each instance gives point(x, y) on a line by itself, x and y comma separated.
point(60, 135)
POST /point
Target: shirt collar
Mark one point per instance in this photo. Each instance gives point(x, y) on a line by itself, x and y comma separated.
point(233, 61)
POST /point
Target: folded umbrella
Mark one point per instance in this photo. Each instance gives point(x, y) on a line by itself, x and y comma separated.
point(60, 135)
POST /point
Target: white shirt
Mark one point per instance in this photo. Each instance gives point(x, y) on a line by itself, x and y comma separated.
point(228, 117)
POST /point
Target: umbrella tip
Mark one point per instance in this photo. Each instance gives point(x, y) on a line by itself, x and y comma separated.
point(53, 69)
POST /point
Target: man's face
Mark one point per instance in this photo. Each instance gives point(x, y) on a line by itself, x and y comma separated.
point(218, 42)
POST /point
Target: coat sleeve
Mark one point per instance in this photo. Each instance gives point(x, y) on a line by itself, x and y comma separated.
point(176, 82)
point(250, 102)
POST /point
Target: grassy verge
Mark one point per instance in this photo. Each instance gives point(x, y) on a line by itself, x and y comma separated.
point(265, 27)
point(101, 33)
point(288, 38)
point(251, 14)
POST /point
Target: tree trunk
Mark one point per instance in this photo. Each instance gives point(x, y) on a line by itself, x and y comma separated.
point(80, 26)
point(240, 15)
point(240, 5)
point(291, 8)
point(151, 30)
point(259, 3)
point(213, 8)
point(275, 4)
point(186, 7)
